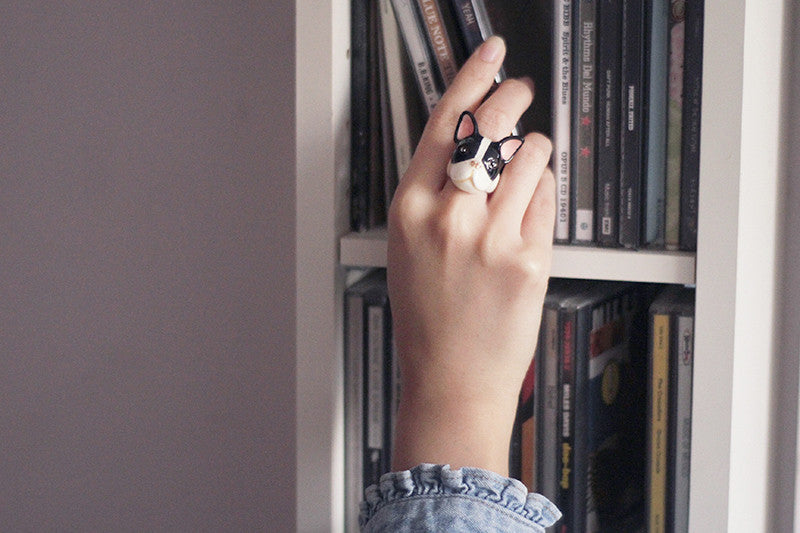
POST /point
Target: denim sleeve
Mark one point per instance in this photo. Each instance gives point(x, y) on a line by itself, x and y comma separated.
point(438, 498)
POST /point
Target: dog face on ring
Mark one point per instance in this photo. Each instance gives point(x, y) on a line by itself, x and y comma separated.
point(477, 161)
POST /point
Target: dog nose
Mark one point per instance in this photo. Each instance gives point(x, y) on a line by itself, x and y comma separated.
point(474, 164)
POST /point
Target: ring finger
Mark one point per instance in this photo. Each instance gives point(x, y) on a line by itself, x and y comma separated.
point(499, 114)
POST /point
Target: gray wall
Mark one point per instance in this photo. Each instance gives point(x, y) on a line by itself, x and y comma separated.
point(147, 265)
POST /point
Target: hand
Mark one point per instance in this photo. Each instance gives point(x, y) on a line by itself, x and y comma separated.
point(467, 277)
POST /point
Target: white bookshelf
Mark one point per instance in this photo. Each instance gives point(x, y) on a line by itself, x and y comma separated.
point(733, 267)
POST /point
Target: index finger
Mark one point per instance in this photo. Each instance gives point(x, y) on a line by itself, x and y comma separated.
point(469, 87)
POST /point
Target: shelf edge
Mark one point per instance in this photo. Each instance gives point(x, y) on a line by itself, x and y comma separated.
point(368, 249)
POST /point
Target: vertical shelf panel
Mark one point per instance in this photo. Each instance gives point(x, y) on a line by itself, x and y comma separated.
point(759, 193)
point(736, 265)
point(322, 140)
point(716, 264)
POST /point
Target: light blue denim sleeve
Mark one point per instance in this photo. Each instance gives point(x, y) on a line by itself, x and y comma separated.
point(438, 498)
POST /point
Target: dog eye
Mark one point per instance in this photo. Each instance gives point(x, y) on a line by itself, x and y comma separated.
point(462, 149)
point(491, 163)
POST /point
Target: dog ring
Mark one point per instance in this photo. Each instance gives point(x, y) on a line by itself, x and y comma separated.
point(477, 161)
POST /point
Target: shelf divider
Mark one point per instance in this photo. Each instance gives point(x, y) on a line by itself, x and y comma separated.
point(368, 249)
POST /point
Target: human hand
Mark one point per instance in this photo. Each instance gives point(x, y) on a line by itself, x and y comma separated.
point(467, 278)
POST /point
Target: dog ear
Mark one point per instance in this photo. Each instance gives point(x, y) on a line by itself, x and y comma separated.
point(465, 128)
point(509, 146)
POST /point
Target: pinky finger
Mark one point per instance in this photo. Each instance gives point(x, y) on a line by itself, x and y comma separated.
point(539, 219)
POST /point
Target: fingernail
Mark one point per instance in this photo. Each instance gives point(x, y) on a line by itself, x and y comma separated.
point(491, 49)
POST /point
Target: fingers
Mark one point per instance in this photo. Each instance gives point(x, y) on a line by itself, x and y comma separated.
point(498, 115)
point(467, 90)
point(519, 180)
point(540, 216)
point(470, 86)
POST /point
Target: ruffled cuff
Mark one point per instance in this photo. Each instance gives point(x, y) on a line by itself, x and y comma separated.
point(433, 481)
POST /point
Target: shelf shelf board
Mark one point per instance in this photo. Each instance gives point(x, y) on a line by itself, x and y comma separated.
point(368, 249)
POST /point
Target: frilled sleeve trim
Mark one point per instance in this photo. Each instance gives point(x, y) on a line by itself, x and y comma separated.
point(440, 480)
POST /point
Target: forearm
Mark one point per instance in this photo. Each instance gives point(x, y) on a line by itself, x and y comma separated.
point(467, 274)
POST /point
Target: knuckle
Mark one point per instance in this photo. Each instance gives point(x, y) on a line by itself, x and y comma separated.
point(519, 87)
point(450, 227)
point(493, 247)
point(530, 272)
point(397, 211)
point(528, 268)
point(495, 123)
point(534, 269)
point(540, 145)
point(442, 121)
point(404, 213)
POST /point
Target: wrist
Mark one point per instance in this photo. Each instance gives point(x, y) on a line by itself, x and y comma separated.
point(454, 426)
